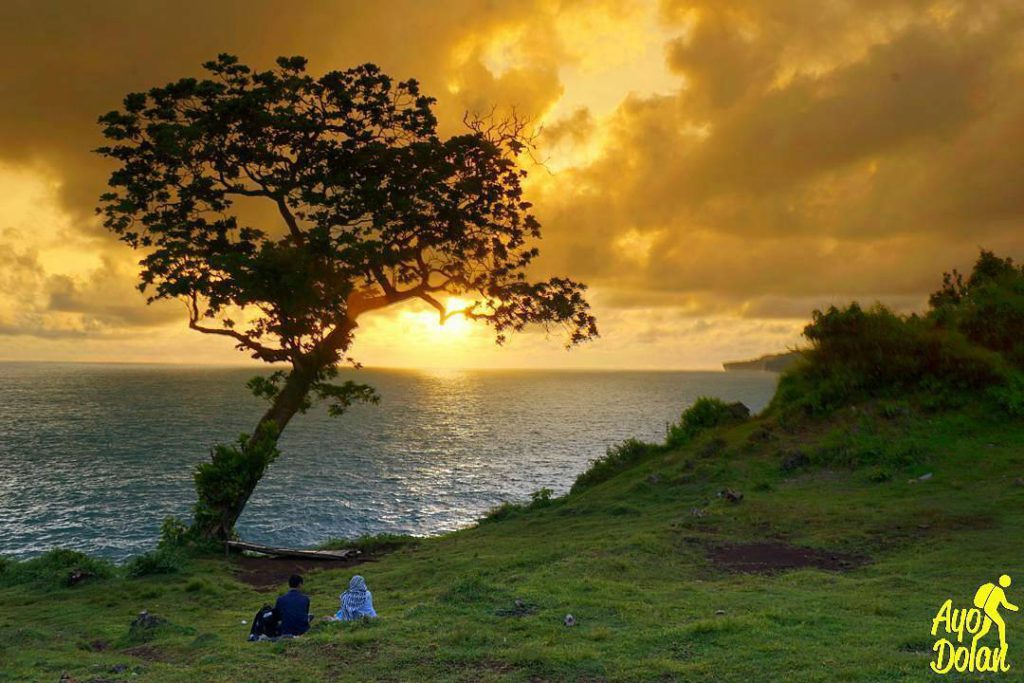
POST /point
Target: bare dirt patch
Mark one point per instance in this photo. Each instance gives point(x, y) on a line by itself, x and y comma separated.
point(771, 557)
point(150, 653)
point(269, 573)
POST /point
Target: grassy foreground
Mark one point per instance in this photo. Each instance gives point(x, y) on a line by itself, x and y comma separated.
point(631, 558)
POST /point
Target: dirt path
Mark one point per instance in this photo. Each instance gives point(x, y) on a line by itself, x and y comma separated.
point(271, 573)
point(770, 557)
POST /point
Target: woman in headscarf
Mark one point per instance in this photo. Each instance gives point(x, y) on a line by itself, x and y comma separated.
point(356, 602)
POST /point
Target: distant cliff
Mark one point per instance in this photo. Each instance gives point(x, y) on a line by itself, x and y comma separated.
point(773, 362)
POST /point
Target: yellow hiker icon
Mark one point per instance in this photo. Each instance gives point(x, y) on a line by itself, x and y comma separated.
point(989, 599)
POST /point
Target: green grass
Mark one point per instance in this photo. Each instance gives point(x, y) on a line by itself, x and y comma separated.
point(626, 556)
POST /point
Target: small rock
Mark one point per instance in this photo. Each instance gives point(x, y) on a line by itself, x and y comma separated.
point(925, 477)
point(119, 668)
point(569, 620)
point(1019, 481)
point(698, 512)
point(519, 604)
point(719, 612)
point(77, 576)
point(654, 478)
point(731, 495)
point(144, 624)
point(65, 677)
point(244, 621)
point(712, 448)
point(794, 461)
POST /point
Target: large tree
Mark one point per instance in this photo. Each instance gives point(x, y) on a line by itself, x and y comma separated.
point(364, 206)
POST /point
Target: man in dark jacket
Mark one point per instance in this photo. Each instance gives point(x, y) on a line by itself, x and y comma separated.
point(293, 608)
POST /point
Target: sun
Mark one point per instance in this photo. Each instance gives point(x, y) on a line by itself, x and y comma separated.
point(457, 325)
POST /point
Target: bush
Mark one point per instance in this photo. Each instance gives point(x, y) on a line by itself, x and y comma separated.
point(615, 460)
point(371, 543)
point(163, 560)
point(55, 568)
point(501, 512)
point(987, 307)
point(540, 498)
point(703, 415)
point(860, 354)
point(174, 533)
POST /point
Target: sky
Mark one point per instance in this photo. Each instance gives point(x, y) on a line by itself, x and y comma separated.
point(713, 169)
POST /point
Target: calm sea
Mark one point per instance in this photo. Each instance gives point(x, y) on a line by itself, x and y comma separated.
point(93, 457)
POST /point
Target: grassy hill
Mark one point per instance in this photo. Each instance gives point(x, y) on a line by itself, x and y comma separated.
point(816, 542)
point(652, 562)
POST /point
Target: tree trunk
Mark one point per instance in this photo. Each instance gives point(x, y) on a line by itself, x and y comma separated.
point(224, 484)
point(217, 510)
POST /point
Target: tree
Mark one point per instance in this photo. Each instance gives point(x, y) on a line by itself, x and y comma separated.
point(370, 208)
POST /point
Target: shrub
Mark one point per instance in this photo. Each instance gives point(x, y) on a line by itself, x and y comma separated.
point(703, 415)
point(500, 512)
point(163, 560)
point(987, 307)
point(615, 460)
point(371, 543)
point(858, 354)
point(55, 568)
point(540, 498)
point(174, 533)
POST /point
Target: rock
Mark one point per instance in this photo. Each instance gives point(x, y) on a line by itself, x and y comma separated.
point(794, 460)
point(77, 576)
point(731, 495)
point(761, 434)
point(144, 624)
point(1019, 481)
point(65, 677)
point(698, 512)
point(719, 612)
point(712, 448)
point(569, 620)
point(654, 478)
point(738, 411)
point(925, 477)
point(118, 668)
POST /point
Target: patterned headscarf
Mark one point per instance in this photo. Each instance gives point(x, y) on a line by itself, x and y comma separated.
point(354, 599)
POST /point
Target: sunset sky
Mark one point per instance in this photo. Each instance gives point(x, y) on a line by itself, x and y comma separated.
point(714, 170)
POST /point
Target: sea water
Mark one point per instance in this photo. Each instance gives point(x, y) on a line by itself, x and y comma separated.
point(93, 457)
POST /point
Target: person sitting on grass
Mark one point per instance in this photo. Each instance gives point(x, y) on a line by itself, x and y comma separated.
point(293, 608)
point(356, 602)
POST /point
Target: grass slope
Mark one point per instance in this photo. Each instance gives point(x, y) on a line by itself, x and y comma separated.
point(628, 557)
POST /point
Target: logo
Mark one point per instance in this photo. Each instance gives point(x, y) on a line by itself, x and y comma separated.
point(952, 626)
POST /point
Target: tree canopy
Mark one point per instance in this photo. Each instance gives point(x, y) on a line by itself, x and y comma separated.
point(280, 207)
point(374, 207)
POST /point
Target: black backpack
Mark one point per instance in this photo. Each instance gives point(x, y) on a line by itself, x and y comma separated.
point(266, 624)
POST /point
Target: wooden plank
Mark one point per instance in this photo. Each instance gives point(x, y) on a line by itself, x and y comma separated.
point(342, 554)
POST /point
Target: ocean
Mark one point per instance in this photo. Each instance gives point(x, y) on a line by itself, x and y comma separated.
point(93, 456)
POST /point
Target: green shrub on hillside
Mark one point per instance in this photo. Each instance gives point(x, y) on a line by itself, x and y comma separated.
point(616, 459)
point(163, 560)
point(371, 544)
point(987, 307)
point(55, 568)
point(703, 415)
point(859, 354)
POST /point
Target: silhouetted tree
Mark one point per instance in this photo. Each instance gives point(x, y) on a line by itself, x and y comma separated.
point(372, 208)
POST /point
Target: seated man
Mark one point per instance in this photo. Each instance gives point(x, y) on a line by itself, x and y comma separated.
point(293, 608)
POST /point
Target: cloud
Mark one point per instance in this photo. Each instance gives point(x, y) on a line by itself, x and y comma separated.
point(815, 152)
point(714, 168)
